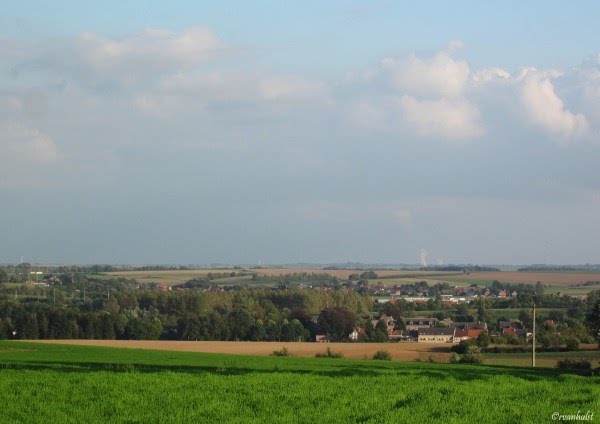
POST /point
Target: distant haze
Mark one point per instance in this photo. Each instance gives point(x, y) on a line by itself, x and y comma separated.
point(316, 132)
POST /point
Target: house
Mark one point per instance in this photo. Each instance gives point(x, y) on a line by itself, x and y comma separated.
point(389, 323)
point(405, 335)
point(469, 325)
point(419, 323)
point(508, 330)
point(518, 332)
point(461, 334)
point(516, 324)
point(322, 338)
point(468, 330)
point(356, 334)
point(473, 333)
point(436, 335)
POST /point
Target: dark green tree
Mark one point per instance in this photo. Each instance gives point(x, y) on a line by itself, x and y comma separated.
point(338, 322)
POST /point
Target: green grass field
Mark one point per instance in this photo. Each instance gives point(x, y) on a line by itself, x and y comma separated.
point(59, 383)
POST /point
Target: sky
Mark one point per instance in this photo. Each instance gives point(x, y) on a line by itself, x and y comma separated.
point(287, 132)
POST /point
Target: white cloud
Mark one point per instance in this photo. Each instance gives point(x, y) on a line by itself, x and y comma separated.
point(488, 75)
point(455, 119)
point(92, 60)
point(546, 109)
point(428, 97)
point(440, 76)
point(152, 47)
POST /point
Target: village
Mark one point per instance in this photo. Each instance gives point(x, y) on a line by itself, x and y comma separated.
point(432, 330)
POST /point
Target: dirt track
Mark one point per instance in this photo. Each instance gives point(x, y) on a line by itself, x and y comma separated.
point(399, 351)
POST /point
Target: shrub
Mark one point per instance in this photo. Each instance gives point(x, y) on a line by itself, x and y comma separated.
point(281, 352)
point(470, 359)
point(454, 357)
point(329, 354)
point(573, 364)
point(572, 343)
point(483, 340)
point(382, 355)
point(465, 346)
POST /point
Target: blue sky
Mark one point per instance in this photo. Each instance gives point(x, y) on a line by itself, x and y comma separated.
point(310, 131)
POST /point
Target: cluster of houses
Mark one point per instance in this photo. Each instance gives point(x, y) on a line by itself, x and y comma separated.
point(458, 294)
point(432, 330)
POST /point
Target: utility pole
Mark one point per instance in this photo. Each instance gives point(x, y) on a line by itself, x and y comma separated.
point(533, 339)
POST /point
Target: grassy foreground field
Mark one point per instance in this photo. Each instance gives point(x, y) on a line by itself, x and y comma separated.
point(60, 383)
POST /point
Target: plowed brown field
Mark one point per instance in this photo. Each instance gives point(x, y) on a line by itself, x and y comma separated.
point(549, 278)
point(399, 351)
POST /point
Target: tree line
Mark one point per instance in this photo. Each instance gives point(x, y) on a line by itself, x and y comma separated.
point(269, 315)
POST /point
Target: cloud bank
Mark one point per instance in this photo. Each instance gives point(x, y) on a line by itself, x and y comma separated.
point(194, 136)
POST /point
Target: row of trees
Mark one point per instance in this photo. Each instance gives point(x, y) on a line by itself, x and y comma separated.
point(275, 315)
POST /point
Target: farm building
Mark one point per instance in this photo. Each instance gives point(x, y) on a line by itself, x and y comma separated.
point(419, 323)
point(436, 335)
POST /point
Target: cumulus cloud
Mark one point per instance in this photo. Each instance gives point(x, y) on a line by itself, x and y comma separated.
point(425, 96)
point(176, 77)
point(439, 76)
point(442, 98)
point(488, 75)
point(455, 119)
point(546, 109)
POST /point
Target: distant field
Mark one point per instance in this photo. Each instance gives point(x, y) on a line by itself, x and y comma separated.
point(73, 384)
point(170, 277)
point(548, 278)
point(399, 351)
point(178, 277)
point(565, 282)
point(345, 273)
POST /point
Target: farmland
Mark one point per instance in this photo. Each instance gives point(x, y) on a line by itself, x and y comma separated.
point(399, 351)
point(571, 283)
point(169, 276)
point(567, 282)
point(181, 276)
point(59, 383)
